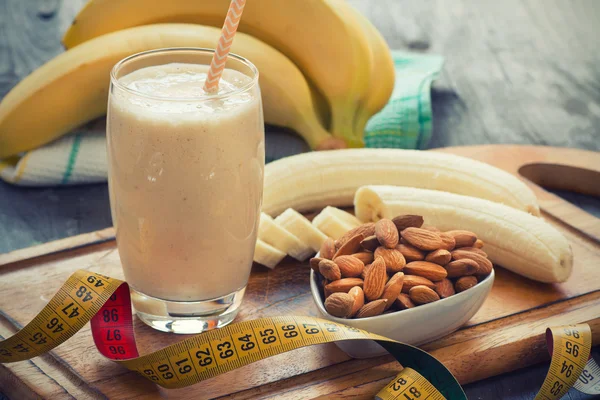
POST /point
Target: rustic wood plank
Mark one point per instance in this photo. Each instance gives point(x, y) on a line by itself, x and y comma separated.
point(307, 372)
point(58, 245)
point(515, 72)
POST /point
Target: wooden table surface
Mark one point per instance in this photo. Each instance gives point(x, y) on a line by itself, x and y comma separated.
point(517, 71)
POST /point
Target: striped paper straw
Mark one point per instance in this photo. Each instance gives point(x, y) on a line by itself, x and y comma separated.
point(217, 64)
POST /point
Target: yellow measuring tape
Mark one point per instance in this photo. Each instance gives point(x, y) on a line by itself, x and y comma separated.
point(105, 302)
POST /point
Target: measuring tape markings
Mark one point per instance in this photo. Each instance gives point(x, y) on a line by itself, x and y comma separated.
point(105, 302)
point(61, 318)
point(589, 380)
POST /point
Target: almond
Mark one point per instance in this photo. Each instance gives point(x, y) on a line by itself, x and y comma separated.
point(329, 270)
point(370, 243)
point(326, 292)
point(423, 295)
point(422, 238)
point(407, 221)
point(464, 283)
point(344, 285)
point(449, 242)
point(426, 269)
point(403, 302)
point(314, 263)
point(366, 230)
point(410, 253)
point(350, 267)
point(474, 250)
point(375, 279)
point(351, 246)
point(372, 309)
point(463, 238)
point(359, 298)
point(431, 228)
point(327, 249)
point(485, 266)
point(394, 260)
point(386, 233)
point(364, 273)
point(444, 288)
point(365, 256)
point(462, 267)
point(478, 244)
point(393, 288)
point(411, 281)
point(339, 305)
point(440, 257)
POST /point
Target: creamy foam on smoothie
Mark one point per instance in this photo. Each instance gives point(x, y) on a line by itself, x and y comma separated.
point(185, 180)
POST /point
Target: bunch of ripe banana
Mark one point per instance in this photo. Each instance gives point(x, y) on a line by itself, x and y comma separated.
point(324, 69)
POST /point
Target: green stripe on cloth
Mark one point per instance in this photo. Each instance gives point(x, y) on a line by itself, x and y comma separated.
point(72, 158)
point(406, 121)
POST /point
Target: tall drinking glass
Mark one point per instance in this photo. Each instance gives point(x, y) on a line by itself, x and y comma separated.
point(185, 181)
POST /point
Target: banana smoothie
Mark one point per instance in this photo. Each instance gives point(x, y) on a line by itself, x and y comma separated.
point(185, 179)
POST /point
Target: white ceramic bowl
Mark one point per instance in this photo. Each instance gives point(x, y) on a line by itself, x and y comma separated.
point(414, 326)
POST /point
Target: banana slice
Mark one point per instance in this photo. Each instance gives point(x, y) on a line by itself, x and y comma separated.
point(267, 255)
point(297, 224)
point(273, 234)
point(331, 224)
point(514, 239)
point(343, 215)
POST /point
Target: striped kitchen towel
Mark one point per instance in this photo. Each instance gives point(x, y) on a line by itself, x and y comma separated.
point(80, 157)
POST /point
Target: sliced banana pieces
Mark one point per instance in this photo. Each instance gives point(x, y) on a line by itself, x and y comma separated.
point(343, 215)
point(280, 238)
point(297, 224)
point(267, 255)
point(332, 223)
point(513, 239)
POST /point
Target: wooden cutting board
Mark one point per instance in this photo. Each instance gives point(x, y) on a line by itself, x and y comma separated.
point(506, 334)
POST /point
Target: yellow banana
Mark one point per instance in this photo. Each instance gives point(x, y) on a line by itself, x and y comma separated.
point(342, 123)
point(72, 88)
point(331, 52)
point(382, 74)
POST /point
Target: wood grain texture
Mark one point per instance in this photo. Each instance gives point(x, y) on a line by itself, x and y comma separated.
point(506, 334)
point(515, 72)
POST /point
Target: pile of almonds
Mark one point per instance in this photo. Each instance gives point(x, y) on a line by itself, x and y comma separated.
point(397, 264)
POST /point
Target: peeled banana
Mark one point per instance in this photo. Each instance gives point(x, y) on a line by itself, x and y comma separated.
point(72, 88)
point(267, 255)
point(297, 224)
point(332, 53)
point(314, 180)
point(516, 240)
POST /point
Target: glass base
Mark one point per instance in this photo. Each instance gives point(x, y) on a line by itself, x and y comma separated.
point(187, 317)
